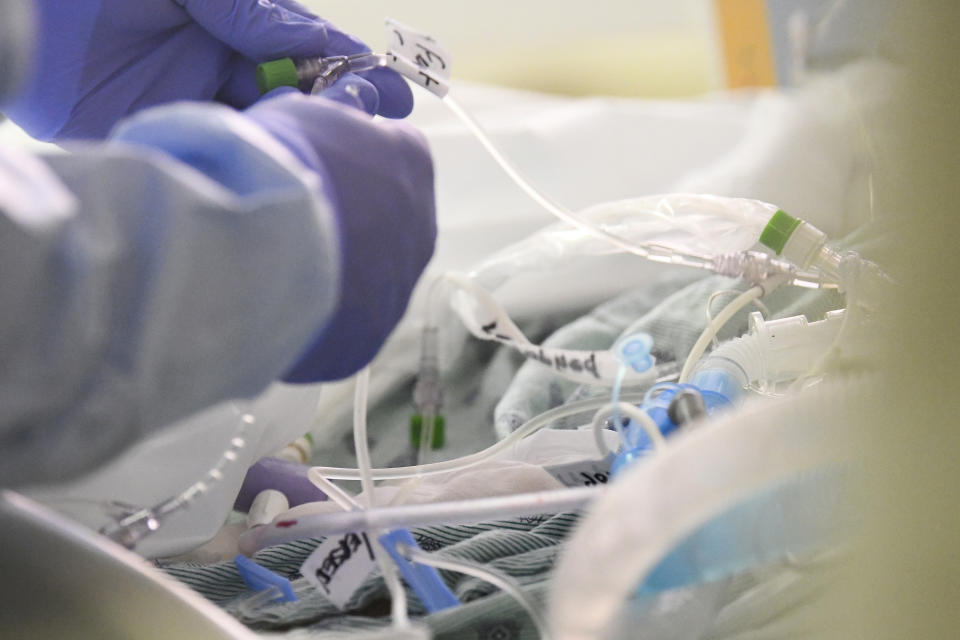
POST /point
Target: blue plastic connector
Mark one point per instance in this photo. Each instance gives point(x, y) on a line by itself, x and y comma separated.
point(656, 406)
point(634, 351)
point(425, 581)
point(259, 578)
point(717, 382)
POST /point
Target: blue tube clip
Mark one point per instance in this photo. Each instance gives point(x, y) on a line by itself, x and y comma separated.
point(425, 581)
point(259, 578)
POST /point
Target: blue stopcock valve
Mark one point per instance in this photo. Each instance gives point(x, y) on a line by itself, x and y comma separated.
point(670, 406)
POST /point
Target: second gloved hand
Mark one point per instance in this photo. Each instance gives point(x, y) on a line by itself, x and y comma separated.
point(379, 178)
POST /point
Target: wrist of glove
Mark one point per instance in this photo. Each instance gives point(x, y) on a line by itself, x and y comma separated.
point(378, 177)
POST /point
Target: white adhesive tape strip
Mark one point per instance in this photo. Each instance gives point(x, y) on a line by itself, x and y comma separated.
point(486, 319)
point(418, 57)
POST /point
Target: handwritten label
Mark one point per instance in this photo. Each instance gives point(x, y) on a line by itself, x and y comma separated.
point(418, 57)
point(339, 565)
point(487, 320)
point(584, 473)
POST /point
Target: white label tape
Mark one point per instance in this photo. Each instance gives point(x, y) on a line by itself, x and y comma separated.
point(584, 473)
point(418, 57)
point(487, 320)
point(339, 565)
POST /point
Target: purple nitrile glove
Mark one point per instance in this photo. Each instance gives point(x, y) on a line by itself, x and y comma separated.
point(378, 176)
point(289, 478)
point(98, 61)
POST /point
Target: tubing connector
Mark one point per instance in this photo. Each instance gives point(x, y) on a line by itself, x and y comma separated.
point(754, 267)
point(773, 351)
point(801, 244)
point(428, 394)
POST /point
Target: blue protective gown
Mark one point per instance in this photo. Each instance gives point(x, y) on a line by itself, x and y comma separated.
point(149, 277)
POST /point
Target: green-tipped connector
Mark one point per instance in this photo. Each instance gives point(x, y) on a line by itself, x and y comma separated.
point(778, 230)
point(416, 428)
point(276, 73)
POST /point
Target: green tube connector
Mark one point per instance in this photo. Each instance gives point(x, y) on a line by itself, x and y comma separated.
point(276, 73)
point(416, 428)
point(778, 230)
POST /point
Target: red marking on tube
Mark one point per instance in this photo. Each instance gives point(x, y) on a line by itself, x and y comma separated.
point(283, 524)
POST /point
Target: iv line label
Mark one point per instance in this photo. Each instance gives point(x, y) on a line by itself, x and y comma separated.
point(486, 319)
point(339, 565)
point(584, 473)
point(418, 57)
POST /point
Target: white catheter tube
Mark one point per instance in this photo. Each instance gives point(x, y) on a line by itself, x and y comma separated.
point(711, 330)
point(416, 515)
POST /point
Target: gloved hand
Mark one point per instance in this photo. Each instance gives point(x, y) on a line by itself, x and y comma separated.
point(379, 178)
point(100, 60)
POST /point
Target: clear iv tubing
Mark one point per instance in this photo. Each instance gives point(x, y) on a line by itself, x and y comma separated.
point(502, 582)
point(137, 526)
point(398, 597)
point(360, 396)
point(639, 416)
point(653, 252)
point(456, 464)
point(365, 61)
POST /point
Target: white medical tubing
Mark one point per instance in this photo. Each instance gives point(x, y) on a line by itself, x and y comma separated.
point(343, 499)
point(652, 252)
point(598, 426)
point(711, 330)
point(756, 302)
point(251, 604)
point(417, 515)
point(742, 263)
point(639, 417)
point(723, 317)
point(457, 464)
point(398, 597)
point(360, 394)
point(502, 582)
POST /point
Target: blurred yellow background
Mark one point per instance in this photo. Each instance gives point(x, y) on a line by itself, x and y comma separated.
point(612, 47)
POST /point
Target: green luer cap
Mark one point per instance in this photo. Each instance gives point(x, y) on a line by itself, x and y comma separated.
point(276, 73)
point(439, 427)
point(778, 230)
